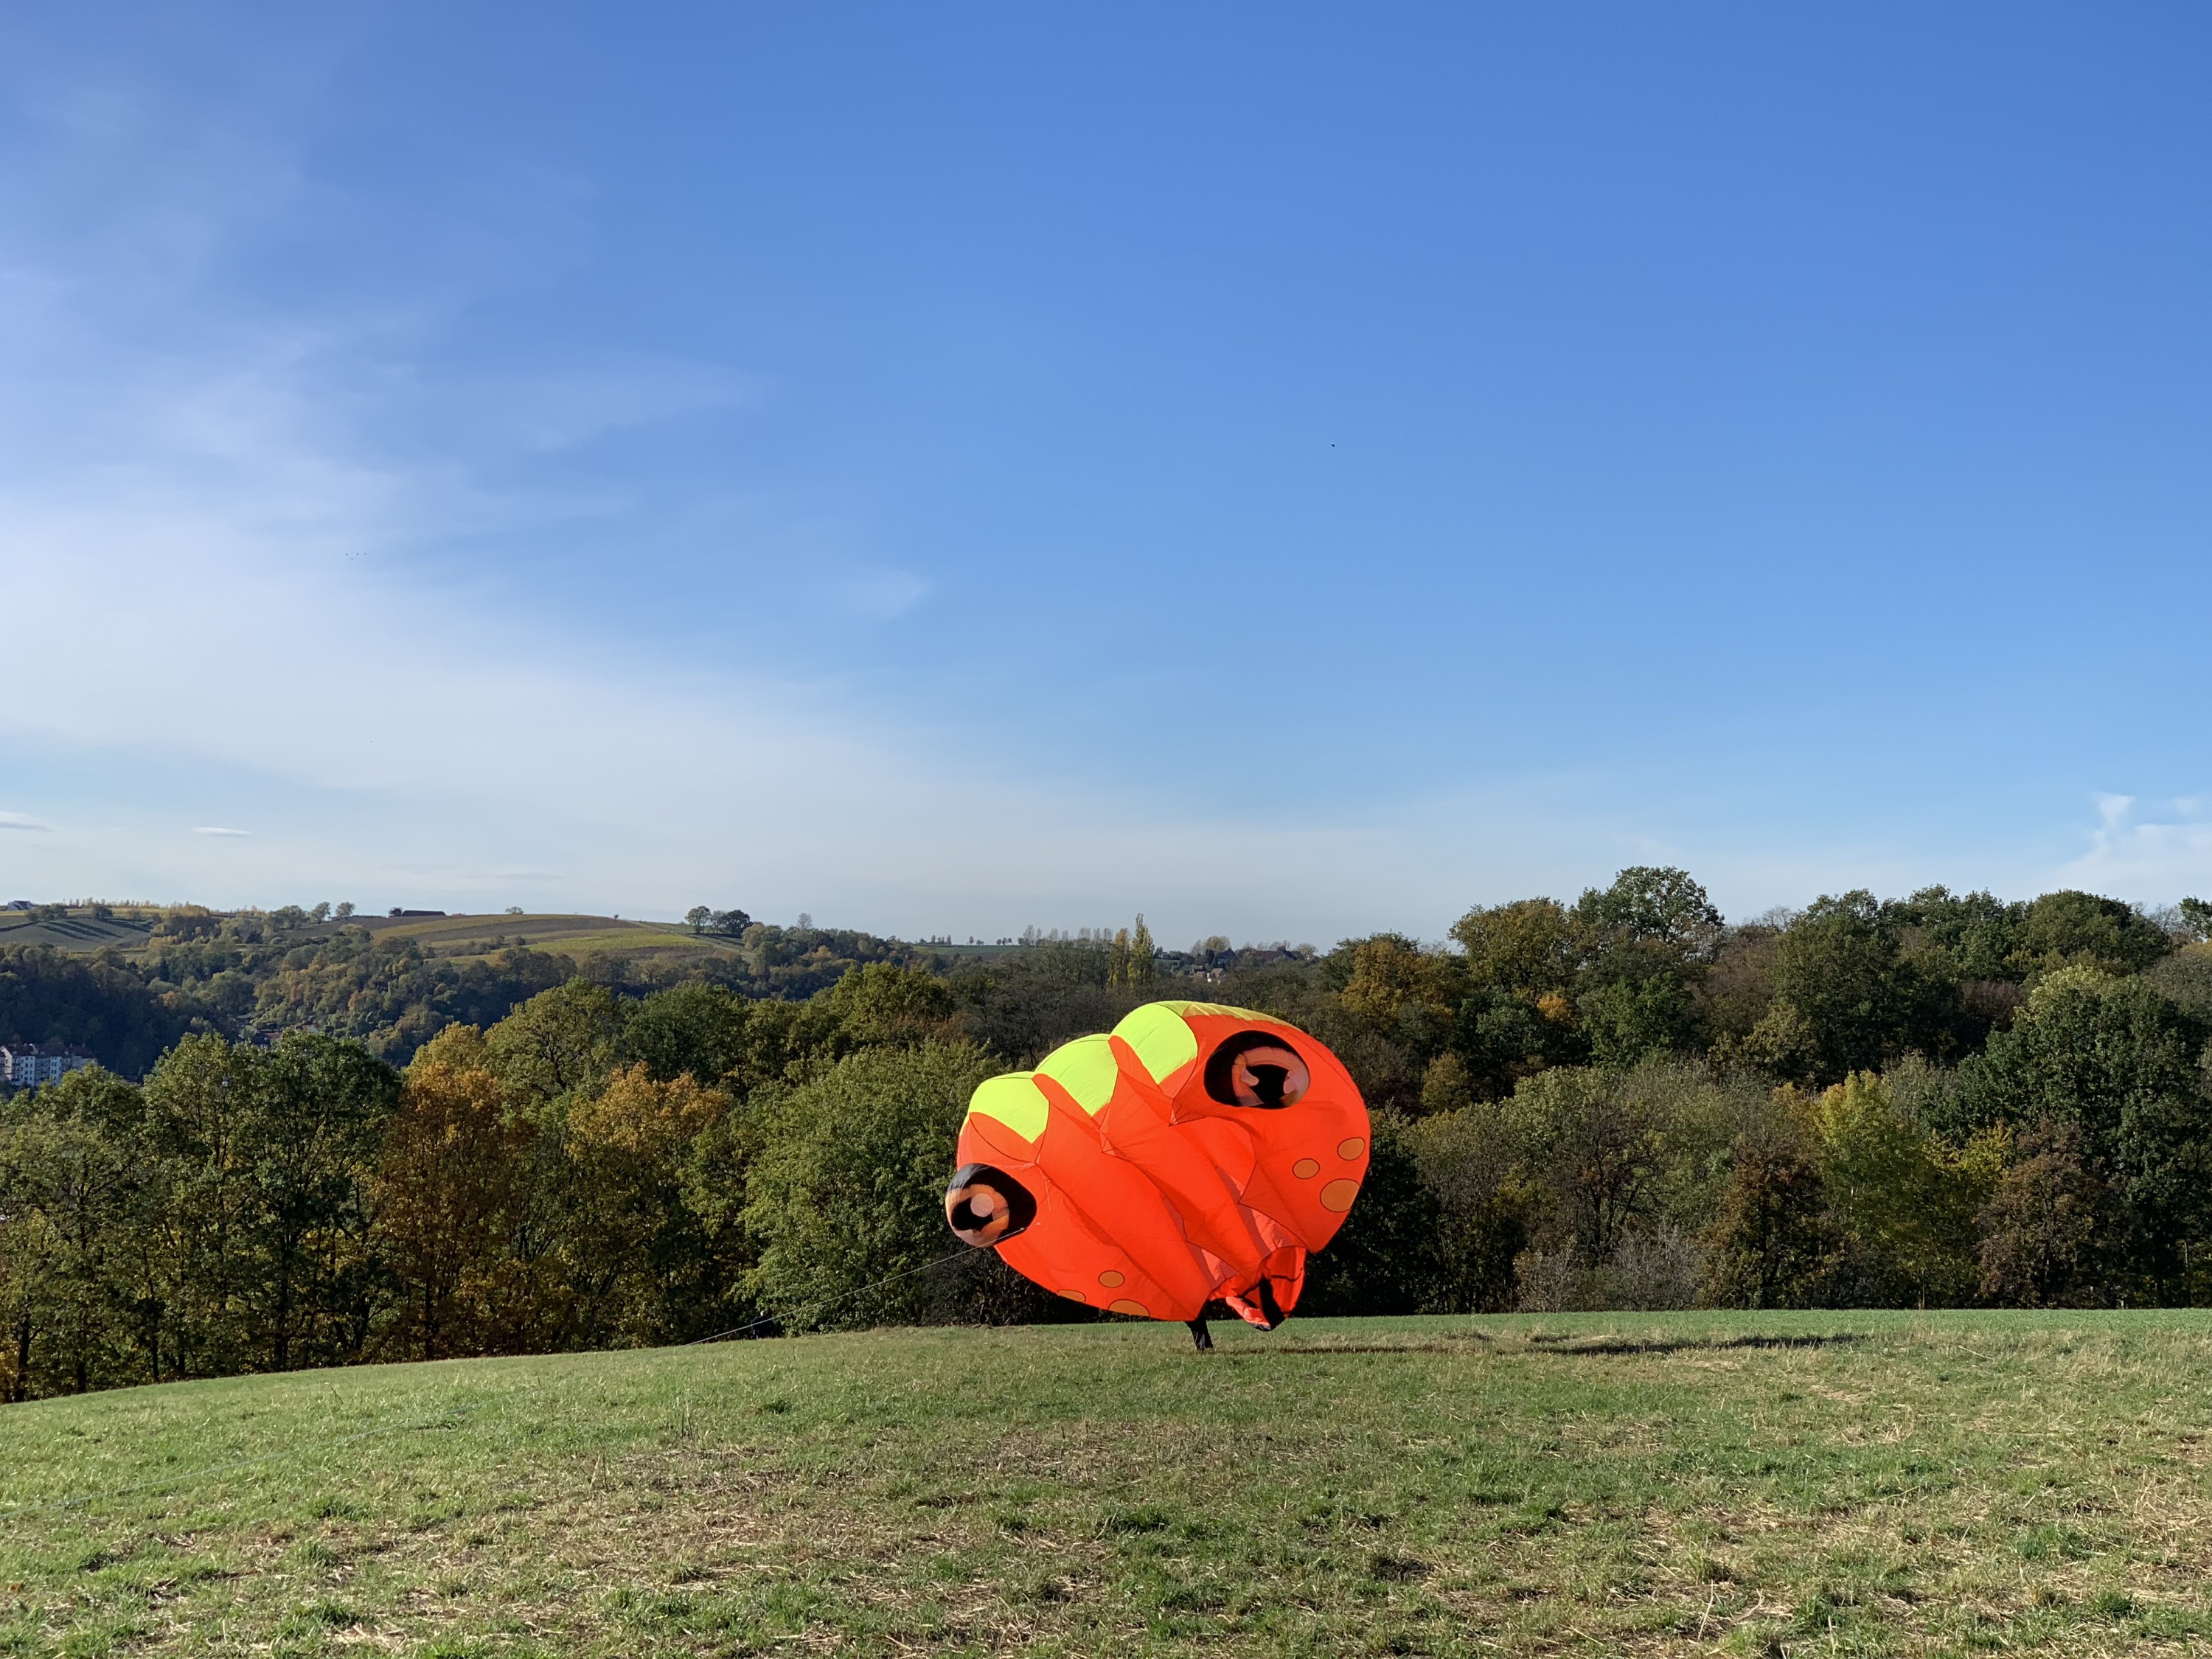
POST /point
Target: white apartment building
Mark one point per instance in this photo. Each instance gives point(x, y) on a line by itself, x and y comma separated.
point(27, 1066)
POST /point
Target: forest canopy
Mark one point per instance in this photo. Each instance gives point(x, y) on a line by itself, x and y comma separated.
point(308, 1144)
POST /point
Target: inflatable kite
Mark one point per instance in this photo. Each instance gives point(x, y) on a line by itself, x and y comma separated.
point(1194, 1154)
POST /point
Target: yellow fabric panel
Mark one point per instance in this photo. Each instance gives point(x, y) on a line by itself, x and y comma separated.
point(1213, 1008)
point(1162, 1038)
point(1014, 1101)
point(1086, 1069)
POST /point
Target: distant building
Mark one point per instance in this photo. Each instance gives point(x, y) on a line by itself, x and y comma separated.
point(20, 904)
point(27, 1065)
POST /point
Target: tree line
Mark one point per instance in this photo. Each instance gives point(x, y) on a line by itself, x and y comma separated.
point(1619, 1102)
point(259, 973)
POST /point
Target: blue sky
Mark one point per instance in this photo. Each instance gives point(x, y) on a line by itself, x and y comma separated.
point(1288, 470)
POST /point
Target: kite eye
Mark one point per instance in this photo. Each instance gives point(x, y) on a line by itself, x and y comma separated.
point(1259, 1069)
point(986, 1207)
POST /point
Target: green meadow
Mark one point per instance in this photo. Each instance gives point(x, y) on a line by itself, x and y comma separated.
point(1829, 1483)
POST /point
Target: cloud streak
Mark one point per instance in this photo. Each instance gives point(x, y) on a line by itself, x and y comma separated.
point(271, 509)
point(249, 511)
point(2155, 858)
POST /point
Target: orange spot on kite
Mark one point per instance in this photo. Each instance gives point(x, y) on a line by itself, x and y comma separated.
point(1305, 1169)
point(1351, 1149)
point(1338, 1195)
point(1112, 1280)
point(1126, 1306)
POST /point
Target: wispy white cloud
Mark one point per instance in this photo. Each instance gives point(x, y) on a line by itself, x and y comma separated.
point(2158, 855)
point(210, 497)
point(237, 495)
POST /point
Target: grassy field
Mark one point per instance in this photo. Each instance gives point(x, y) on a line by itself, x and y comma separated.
point(575, 936)
point(1676, 1484)
point(78, 930)
point(571, 935)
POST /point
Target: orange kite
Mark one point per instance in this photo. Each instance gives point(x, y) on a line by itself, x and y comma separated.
point(1194, 1154)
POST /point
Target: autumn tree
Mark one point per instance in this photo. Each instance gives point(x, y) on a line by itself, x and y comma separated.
point(2051, 1231)
point(636, 1254)
point(449, 1199)
point(1775, 1243)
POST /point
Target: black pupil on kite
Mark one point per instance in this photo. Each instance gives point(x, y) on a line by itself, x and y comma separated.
point(1257, 1068)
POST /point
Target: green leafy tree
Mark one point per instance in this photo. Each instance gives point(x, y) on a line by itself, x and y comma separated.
point(1627, 1020)
point(561, 1041)
point(312, 1146)
point(696, 1029)
point(1908, 1205)
point(2115, 1058)
point(1470, 1165)
point(845, 1193)
point(2184, 979)
point(876, 1006)
point(1597, 1148)
point(199, 1102)
point(1521, 961)
point(69, 1188)
point(1648, 940)
point(1657, 912)
point(264, 1159)
point(1960, 936)
point(1848, 997)
point(2074, 929)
